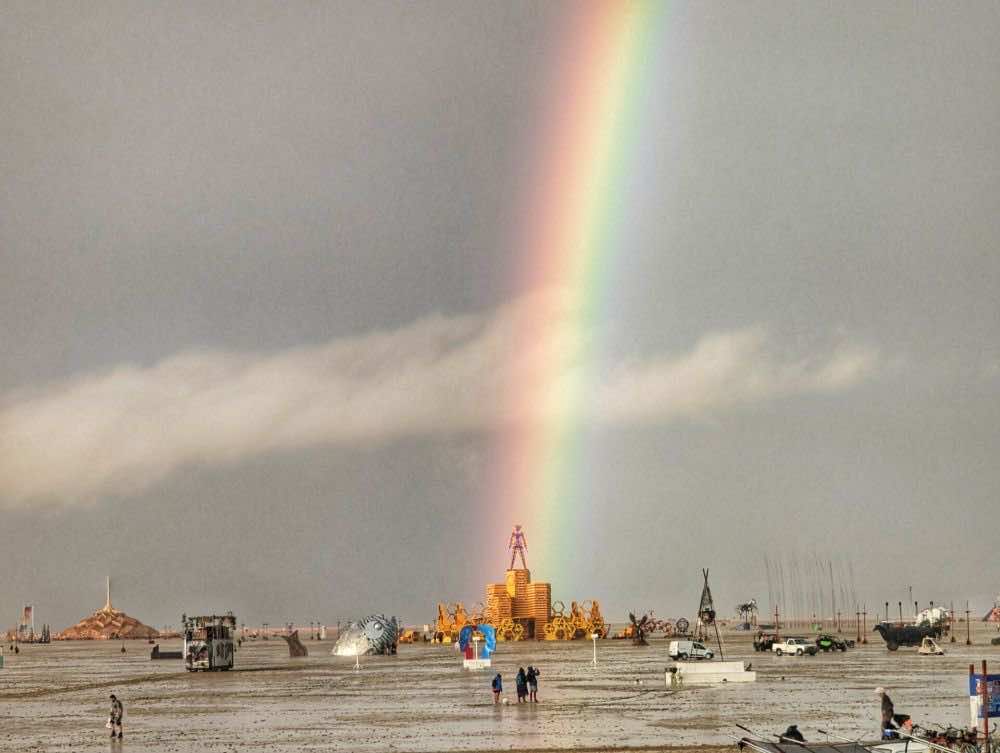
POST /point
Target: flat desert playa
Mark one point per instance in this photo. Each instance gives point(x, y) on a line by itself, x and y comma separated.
point(55, 698)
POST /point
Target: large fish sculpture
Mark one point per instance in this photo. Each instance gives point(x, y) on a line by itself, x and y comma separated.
point(375, 634)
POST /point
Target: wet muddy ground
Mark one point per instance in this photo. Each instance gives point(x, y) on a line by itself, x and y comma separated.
point(55, 698)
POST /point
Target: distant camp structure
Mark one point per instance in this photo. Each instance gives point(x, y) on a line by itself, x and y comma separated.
point(994, 614)
point(107, 623)
point(519, 609)
point(25, 631)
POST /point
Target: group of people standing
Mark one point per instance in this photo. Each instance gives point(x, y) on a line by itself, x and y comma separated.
point(526, 684)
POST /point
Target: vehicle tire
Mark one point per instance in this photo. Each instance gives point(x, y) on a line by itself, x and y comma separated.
point(682, 657)
point(799, 652)
point(709, 656)
point(778, 652)
point(891, 645)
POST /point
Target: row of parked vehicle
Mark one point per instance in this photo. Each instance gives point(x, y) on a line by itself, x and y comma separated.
point(797, 646)
point(794, 646)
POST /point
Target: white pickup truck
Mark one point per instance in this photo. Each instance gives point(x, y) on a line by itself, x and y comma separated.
point(794, 646)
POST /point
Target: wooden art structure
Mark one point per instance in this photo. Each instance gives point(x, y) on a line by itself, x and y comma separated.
point(520, 609)
point(107, 623)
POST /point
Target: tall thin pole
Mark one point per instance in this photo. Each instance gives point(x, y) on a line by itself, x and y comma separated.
point(968, 626)
point(986, 709)
point(833, 596)
point(718, 639)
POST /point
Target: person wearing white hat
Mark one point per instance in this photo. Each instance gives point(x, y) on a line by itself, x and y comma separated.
point(890, 719)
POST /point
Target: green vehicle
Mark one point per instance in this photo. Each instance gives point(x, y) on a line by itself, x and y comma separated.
point(828, 642)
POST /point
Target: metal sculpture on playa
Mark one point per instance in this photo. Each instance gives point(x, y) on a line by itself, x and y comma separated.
point(640, 626)
point(747, 611)
point(295, 646)
point(375, 634)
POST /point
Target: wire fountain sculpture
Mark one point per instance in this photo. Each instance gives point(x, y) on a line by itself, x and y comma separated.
point(748, 613)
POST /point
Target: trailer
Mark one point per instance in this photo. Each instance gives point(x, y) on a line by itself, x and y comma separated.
point(208, 642)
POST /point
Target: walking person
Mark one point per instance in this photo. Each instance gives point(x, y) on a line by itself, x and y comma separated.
point(117, 713)
point(497, 688)
point(532, 678)
point(521, 681)
point(890, 719)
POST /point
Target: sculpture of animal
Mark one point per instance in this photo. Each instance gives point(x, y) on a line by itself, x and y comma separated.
point(906, 635)
point(375, 634)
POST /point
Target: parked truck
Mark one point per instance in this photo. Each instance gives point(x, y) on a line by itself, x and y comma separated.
point(795, 647)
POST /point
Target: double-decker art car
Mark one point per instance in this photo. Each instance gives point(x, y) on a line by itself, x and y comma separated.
point(208, 642)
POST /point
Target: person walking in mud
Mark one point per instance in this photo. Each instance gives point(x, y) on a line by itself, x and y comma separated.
point(115, 719)
point(532, 678)
point(497, 688)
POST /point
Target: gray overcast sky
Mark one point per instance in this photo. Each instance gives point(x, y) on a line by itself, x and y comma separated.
point(256, 283)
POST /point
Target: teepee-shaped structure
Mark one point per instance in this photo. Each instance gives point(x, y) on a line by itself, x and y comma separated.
point(706, 608)
point(107, 623)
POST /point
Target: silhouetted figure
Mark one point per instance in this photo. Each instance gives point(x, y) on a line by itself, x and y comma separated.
point(792, 733)
point(497, 688)
point(532, 678)
point(117, 714)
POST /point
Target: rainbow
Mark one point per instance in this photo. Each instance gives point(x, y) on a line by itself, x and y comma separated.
point(570, 232)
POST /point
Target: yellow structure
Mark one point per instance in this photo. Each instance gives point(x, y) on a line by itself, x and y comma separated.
point(450, 622)
point(519, 609)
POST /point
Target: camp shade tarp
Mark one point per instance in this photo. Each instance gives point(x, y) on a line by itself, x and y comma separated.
point(761, 746)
